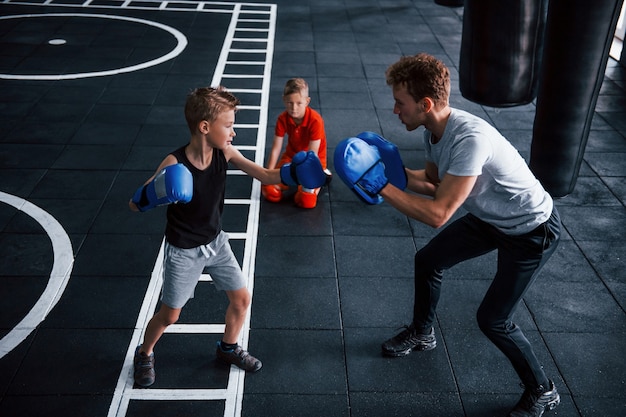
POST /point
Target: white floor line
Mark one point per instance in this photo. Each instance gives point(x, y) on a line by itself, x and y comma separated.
point(232, 395)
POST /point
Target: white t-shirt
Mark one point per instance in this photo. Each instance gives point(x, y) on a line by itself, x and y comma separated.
point(506, 194)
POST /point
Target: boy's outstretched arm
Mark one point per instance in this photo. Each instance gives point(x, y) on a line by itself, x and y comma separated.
point(305, 169)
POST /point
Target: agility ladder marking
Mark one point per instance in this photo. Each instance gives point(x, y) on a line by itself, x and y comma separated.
point(244, 21)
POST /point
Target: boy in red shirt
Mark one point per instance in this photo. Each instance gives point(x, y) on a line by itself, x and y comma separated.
point(305, 130)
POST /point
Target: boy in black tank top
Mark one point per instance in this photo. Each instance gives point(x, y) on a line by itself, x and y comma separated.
point(194, 239)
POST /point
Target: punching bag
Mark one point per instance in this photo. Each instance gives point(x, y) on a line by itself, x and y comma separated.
point(501, 51)
point(576, 50)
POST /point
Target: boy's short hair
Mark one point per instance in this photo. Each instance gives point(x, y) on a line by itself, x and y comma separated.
point(296, 85)
point(206, 103)
point(423, 75)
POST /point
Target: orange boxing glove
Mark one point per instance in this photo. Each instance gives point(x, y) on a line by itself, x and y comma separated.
point(272, 193)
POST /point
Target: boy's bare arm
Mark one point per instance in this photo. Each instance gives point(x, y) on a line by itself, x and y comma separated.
point(314, 145)
point(277, 146)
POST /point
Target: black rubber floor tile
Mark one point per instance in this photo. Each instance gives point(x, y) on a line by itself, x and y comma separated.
point(118, 255)
point(188, 361)
point(575, 307)
point(238, 187)
point(25, 156)
point(148, 158)
point(341, 100)
point(175, 408)
point(336, 84)
point(287, 219)
point(337, 129)
point(283, 256)
point(235, 218)
point(92, 296)
point(479, 268)
point(618, 186)
point(165, 135)
point(168, 113)
point(479, 366)
point(21, 294)
point(609, 164)
point(59, 362)
point(208, 305)
point(73, 184)
point(358, 219)
point(54, 405)
point(25, 254)
point(339, 191)
point(122, 114)
point(599, 406)
point(591, 363)
point(368, 370)
point(289, 405)
point(607, 259)
point(59, 112)
point(298, 362)
point(105, 134)
point(590, 191)
point(459, 303)
point(393, 404)
point(19, 181)
point(376, 301)
point(54, 133)
point(92, 157)
point(605, 141)
point(374, 256)
point(11, 362)
point(116, 217)
point(589, 223)
point(289, 303)
point(74, 216)
point(567, 264)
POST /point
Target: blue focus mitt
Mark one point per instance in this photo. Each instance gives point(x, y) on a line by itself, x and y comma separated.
point(394, 167)
point(361, 168)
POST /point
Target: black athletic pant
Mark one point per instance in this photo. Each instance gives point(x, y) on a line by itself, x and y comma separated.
point(520, 258)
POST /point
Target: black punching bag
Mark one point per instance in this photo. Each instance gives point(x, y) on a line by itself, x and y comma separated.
point(501, 51)
point(576, 50)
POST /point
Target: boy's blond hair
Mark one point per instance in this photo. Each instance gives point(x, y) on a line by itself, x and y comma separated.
point(206, 103)
point(296, 85)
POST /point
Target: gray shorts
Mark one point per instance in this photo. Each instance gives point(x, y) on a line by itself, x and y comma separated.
point(182, 269)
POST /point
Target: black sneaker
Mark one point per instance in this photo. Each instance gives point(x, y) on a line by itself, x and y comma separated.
point(144, 368)
point(408, 340)
point(534, 402)
point(239, 357)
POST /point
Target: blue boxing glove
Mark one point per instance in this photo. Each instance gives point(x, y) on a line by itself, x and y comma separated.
point(394, 167)
point(361, 168)
point(174, 184)
point(304, 169)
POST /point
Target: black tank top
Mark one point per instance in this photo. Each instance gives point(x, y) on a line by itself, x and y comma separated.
point(199, 221)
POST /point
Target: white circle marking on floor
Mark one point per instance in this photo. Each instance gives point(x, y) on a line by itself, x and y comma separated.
point(59, 275)
point(180, 46)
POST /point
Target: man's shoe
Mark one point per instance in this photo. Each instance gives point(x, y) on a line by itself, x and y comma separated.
point(239, 357)
point(534, 402)
point(408, 340)
point(144, 368)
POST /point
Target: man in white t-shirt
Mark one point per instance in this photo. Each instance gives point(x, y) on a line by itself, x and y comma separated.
point(470, 164)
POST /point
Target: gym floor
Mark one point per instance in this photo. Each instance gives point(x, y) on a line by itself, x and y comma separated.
point(91, 99)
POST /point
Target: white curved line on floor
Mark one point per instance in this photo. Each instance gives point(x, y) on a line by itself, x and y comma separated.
point(181, 44)
point(59, 276)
